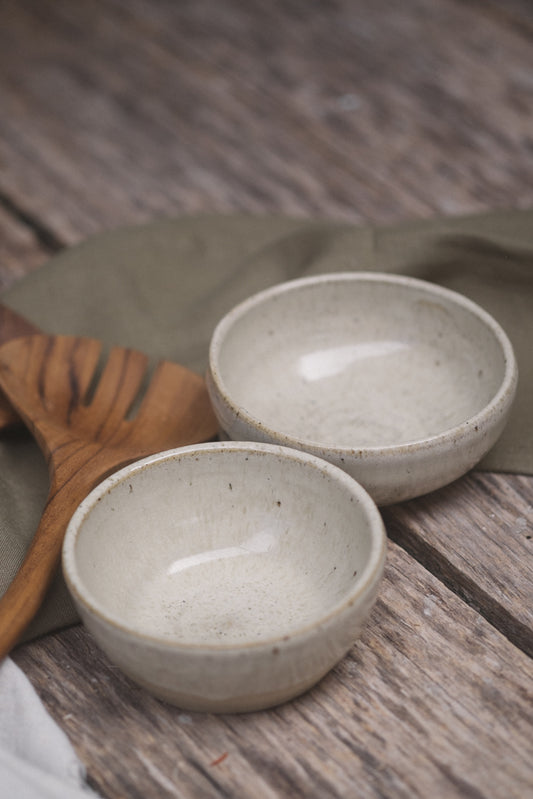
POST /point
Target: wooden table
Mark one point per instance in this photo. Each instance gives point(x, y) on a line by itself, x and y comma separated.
point(120, 111)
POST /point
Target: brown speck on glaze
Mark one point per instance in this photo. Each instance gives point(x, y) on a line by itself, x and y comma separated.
point(262, 634)
point(442, 311)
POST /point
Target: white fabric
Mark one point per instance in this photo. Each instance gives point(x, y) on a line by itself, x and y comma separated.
point(37, 760)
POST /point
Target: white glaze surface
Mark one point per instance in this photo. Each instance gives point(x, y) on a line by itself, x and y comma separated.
point(358, 367)
point(215, 557)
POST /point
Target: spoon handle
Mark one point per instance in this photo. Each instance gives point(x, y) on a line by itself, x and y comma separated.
point(27, 590)
point(12, 325)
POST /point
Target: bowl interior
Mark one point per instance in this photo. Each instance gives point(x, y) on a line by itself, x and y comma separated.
point(224, 546)
point(364, 362)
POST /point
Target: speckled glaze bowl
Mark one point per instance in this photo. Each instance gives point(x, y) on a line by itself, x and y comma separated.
point(227, 576)
point(402, 383)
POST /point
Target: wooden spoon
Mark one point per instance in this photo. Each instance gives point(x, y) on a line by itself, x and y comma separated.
point(12, 325)
point(47, 379)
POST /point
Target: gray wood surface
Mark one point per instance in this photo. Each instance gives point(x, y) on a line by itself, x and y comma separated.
point(476, 536)
point(432, 701)
point(115, 112)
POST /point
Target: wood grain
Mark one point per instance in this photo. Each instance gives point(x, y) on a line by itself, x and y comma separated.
point(408, 713)
point(86, 438)
point(12, 325)
point(477, 536)
point(115, 113)
point(21, 251)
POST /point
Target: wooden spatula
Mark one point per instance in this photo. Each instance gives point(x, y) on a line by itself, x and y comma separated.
point(84, 438)
point(12, 325)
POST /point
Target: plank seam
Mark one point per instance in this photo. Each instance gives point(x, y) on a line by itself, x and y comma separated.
point(46, 237)
point(515, 631)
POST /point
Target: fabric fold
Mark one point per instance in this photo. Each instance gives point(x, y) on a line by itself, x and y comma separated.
point(162, 288)
point(37, 760)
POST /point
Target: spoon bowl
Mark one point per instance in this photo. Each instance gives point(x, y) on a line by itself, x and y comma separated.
point(82, 427)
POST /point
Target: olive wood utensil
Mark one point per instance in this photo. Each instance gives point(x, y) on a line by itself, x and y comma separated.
point(12, 325)
point(80, 423)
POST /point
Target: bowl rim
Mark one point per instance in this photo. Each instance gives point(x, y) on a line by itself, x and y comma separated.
point(367, 579)
point(500, 400)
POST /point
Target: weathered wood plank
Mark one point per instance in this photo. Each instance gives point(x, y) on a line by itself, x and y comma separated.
point(21, 249)
point(431, 702)
point(113, 113)
point(517, 14)
point(477, 536)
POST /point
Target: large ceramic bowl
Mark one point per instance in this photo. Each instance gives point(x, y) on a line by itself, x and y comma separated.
point(402, 383)
point(227, 576)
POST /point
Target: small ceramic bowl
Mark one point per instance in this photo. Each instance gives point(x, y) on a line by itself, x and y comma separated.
point(402, 383)
point(227, 576)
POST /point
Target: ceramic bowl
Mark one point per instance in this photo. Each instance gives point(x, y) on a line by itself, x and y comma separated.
point(226, 576)
point(402, 383)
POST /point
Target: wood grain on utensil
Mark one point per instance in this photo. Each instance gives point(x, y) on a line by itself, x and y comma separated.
point(84, 439)
point(12, 325)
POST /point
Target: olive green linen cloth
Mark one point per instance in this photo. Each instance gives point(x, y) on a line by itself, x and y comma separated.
point(162, 288)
